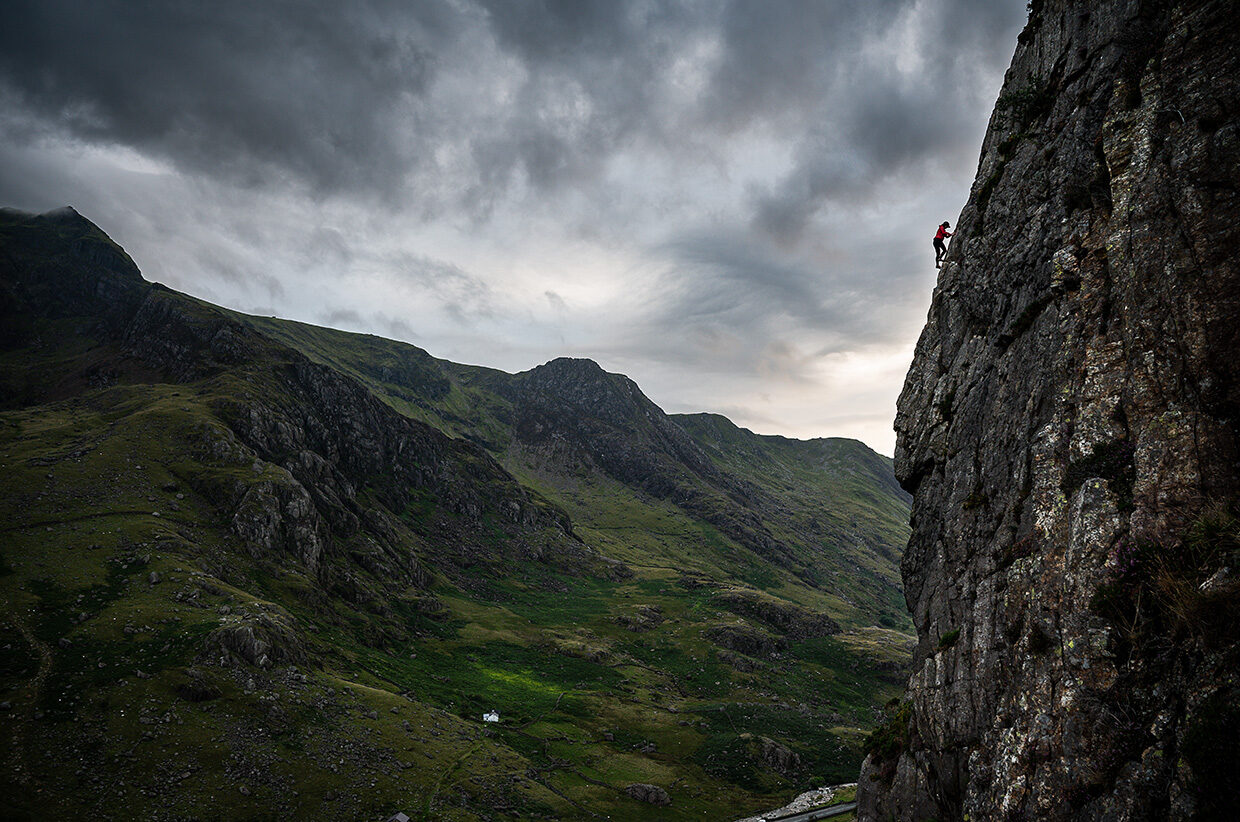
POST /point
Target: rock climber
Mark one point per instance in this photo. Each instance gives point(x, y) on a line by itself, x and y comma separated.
point(939, 248)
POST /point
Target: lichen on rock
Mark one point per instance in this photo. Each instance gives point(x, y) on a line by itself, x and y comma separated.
point(1070, 416)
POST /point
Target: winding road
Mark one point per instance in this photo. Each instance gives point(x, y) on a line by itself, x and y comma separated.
point(817, 813)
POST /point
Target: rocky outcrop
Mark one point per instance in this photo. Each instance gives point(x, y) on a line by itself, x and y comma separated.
point(778, 757)
point(1069, 431)
point(280, 518)
point(187, 340)
point(641, 618)
point(746, 640)
point(261, 640)
point(792, 621)
point(650, 794)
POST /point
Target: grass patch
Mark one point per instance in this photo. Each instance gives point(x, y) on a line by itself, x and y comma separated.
point(699, 675)
point(949, 639)
point(521, 682)
point(888, 741)
point(1178, 586)
point(853, 673)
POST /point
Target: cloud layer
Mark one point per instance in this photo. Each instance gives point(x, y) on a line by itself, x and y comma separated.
point(725, 200)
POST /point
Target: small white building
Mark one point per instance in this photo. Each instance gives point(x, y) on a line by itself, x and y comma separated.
point(491, 716)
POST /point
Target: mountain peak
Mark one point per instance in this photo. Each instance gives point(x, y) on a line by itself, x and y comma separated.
point(570, 366)
point(64, 214)
point(60, 263)
point(584, 384)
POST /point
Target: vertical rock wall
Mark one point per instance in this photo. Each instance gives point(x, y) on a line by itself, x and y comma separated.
point(1069, 430)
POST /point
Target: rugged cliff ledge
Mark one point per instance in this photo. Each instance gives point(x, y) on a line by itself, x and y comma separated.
point(1069, 431)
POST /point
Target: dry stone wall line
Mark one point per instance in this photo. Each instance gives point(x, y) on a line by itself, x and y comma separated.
point(17, 754)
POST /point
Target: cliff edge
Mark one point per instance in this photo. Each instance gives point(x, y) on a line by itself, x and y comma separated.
point(1069, 431)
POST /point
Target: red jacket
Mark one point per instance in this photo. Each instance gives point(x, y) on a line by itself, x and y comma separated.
point(943, 232)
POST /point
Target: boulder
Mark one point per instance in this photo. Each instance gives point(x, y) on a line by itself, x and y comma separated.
point(650, 794)
point(259, 640)
point(746, 640)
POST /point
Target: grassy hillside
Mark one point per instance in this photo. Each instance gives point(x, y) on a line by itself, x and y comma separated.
point(837, 488)
point(834, 502)
point(254, 569)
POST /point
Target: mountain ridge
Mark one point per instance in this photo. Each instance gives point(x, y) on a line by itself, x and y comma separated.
point(329, 548)
point(610, 415)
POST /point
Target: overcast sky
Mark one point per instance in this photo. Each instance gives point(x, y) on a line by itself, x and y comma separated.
point(730, 202)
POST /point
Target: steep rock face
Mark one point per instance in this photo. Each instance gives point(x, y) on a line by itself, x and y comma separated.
point(1069, 431)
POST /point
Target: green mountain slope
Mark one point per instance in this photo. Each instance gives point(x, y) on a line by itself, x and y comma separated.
point(253, 568)
point(823, 519)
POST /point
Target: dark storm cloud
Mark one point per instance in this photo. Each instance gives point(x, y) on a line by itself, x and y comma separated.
point(779, 59)
point(255, 89)
point(339, 97)
point(882, 121)
point(556, 30)
point(890, 131)
point(332, 95)
point(594, 75)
